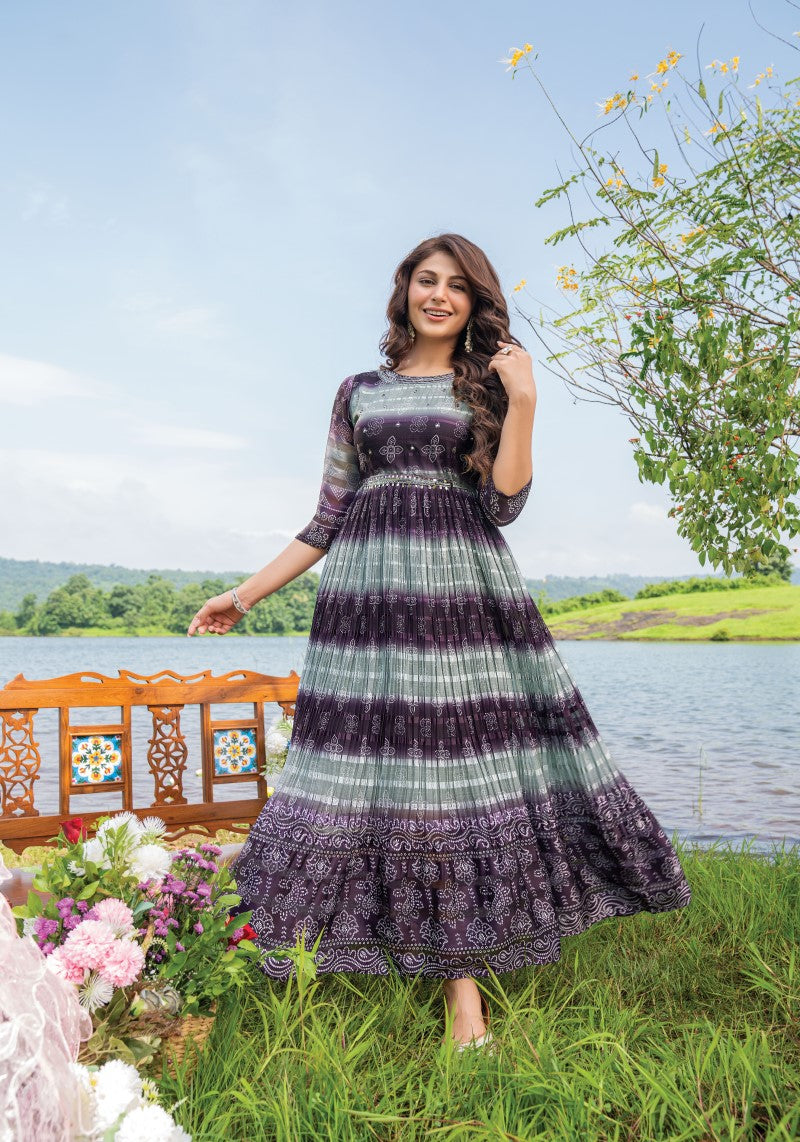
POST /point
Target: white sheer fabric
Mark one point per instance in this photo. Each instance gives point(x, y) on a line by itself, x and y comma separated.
point(41, 1028)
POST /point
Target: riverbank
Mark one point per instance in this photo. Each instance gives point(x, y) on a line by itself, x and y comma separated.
point(760, 614)
point(674, 1025)
point(763, 614)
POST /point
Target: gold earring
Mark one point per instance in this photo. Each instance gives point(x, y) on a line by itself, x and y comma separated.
point(468, 338)
point(411, 330)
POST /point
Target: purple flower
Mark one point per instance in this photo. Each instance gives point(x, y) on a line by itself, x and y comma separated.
point(198, 928)
point(179, 947)
point(65, 905)
point(44, 928)
point(71, 922)
point(48, 948)
point(82, 906)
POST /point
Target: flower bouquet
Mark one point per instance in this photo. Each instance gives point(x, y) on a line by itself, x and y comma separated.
point(142, 931)
point(276, 743)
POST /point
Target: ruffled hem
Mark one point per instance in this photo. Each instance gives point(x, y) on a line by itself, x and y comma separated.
point(455, 897)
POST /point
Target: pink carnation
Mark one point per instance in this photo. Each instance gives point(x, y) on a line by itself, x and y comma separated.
point(123, 963)
point(88, 945)
point(63, 966)
point(116, 914)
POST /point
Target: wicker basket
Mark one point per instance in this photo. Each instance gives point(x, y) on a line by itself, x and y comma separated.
point(186, 1037)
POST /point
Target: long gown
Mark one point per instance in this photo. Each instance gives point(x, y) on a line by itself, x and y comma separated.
point(447, 804)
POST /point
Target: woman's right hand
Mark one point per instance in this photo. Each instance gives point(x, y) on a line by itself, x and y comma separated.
point(216, 616)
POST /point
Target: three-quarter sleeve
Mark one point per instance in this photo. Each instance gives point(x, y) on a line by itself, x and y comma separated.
point(500, 508)
point(341, 475)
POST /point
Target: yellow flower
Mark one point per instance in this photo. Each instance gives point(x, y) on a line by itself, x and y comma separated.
point(519, 285)
point(615, 100)
point(635, 75)
point(717, 127)
point(735, 63)
point(516, 55)
point(662, 167)
point(658, 181)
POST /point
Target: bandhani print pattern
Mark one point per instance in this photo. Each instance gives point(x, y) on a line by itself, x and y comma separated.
point(447, 806)
point(96, 759)
point(234, 752)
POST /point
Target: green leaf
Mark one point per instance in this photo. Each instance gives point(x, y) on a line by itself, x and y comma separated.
point(655, 165)
point(760, 110)
point(701, 89)
point(35, 906)
point(88, 892)
point(720, 104)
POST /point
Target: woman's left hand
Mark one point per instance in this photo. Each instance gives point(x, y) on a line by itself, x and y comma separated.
point(515, 369)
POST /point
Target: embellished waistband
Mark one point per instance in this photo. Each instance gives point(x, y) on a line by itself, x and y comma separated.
point(418, 480)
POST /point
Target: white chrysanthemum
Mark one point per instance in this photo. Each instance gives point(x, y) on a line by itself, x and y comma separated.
point(124, 827)
point(94, 992)
point(151, 829)
point(150, 1124)
point(94, 851)
point(29, 925)
point(150, 862)
point(275, 742)
point(82, 1103)
point(118, 1089)
point(75, 868)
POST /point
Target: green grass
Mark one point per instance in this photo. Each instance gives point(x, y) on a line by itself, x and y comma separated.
point(678, 1025)
point(781, 620)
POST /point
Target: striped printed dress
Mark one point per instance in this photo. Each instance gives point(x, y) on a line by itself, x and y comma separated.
point(447, 804)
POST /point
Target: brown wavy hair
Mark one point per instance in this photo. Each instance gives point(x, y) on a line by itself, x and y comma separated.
point(481, 388)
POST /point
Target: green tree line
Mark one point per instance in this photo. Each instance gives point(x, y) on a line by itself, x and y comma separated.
point(156, 606)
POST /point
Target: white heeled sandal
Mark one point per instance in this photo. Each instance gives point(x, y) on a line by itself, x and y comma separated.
point(485, 1040)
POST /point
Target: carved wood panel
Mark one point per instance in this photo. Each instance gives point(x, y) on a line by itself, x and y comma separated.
point(19, 763)
point(167, 755)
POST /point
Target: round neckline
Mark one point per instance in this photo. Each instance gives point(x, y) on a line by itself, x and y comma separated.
point(408, 377)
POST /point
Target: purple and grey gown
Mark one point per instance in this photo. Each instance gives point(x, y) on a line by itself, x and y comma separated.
point(447, 804)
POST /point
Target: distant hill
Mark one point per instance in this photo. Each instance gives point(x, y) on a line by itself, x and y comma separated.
point(558, 587)
point(20, 577)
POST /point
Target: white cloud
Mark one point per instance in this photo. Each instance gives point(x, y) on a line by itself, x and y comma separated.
point(180, 436)
point(46, 206)
point(167, 315)
point(644, 513)
point(27, 382)
point(168, 510)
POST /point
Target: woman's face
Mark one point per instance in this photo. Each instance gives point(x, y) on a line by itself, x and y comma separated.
point(439, 297)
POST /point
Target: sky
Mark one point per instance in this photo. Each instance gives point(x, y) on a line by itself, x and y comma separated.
point(201, 209)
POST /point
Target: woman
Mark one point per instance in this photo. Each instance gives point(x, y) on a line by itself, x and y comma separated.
point(447, 805)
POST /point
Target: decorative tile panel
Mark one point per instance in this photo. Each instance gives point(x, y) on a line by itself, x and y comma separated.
point(96, 759)
point(235, 752)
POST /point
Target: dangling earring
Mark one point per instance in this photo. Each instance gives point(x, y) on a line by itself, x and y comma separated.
point(411, 330)
point(468, 338)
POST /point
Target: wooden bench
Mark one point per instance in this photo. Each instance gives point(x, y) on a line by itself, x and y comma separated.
point(98, 758)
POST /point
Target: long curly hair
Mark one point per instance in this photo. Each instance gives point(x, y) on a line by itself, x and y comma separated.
point(473, 383)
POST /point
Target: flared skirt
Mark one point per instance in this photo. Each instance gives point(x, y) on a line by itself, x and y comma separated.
point(447, 805)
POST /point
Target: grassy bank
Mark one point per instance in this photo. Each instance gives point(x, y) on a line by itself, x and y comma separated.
point(763, 613)
point(679, 1025)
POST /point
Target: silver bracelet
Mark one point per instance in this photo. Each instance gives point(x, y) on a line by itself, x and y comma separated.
point(237, 602)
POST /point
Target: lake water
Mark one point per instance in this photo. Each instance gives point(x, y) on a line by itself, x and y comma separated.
point(673, 715)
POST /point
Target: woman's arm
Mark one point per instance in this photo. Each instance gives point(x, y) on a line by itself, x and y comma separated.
point(340, 481)
point(505, 492)
point(292, 561)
